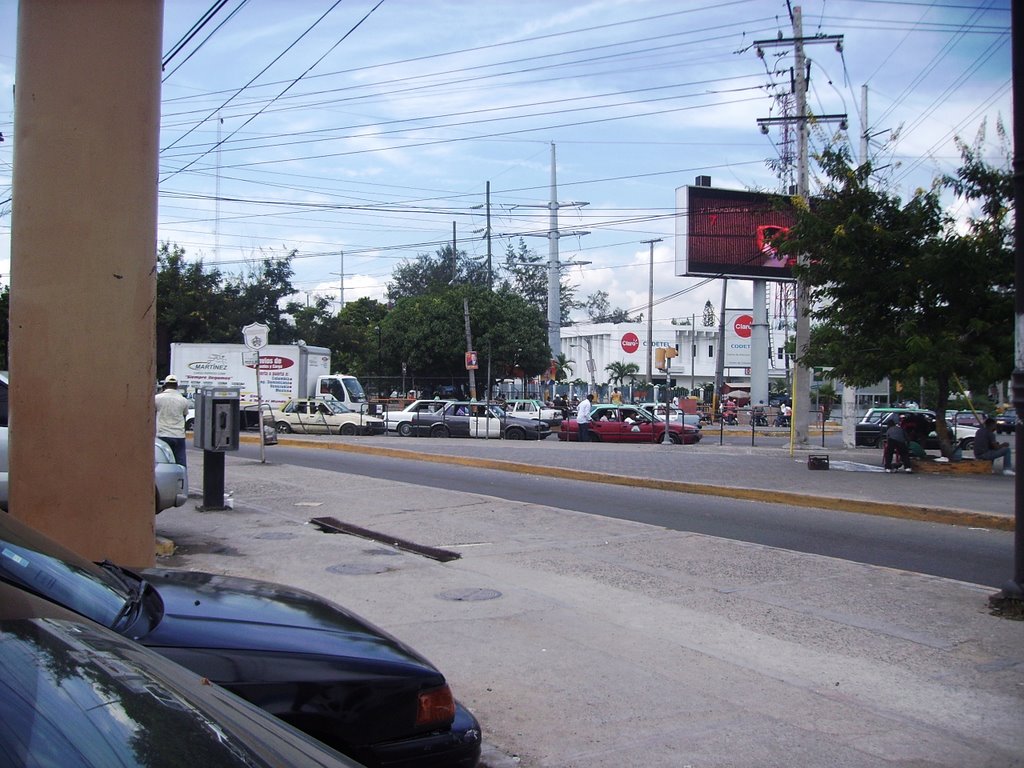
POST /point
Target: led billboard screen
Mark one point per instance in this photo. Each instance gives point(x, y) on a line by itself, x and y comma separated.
point(729, 233)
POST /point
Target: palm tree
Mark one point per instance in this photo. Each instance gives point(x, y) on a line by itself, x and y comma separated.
point(619, 372)
point(563, 367)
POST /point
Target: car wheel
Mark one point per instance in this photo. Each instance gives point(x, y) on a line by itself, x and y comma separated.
point(190, 425)
point(967, 443)
point(439, 430)
point(347, 429)
point(284, 427)
point(156, 504)
point(674, 438)
point(515, 433)
point(405, 429)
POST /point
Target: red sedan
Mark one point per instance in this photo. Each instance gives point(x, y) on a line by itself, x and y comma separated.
point(629, 424)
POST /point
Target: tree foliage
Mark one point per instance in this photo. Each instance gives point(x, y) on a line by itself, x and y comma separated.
point(427, 333)
point(526, 273)
point(895, 289)
point(599, 310)
point(620, 373)
point(435, 273)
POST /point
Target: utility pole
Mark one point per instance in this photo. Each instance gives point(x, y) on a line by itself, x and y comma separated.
point(554, 273)
point(490, 273)
point(801, 374)
point(650, 315)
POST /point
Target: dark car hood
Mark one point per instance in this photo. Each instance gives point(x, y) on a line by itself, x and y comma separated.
point(203, 610)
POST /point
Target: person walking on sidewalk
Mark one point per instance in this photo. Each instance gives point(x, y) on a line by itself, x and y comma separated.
point(987, 448)
point(171, 411)
point(896, 442)
point(583, 418)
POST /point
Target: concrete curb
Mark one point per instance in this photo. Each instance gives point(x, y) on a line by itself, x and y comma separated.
point(926, 513)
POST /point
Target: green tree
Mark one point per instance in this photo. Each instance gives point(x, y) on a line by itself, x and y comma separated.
point(599, 310)
point(895, 289)
point(621, 373)
point(526, 273)
point(427, 333)
point(187, 303)
point(434, 274)
point(563, 367)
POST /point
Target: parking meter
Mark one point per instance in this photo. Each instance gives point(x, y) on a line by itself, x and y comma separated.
point(217, 419)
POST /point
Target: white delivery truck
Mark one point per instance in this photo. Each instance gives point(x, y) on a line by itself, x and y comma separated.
point(286, 371)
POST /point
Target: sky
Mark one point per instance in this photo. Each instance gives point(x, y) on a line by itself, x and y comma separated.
point(361, 133)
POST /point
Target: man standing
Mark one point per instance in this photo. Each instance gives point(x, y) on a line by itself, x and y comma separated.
point(171, 410)
point(988, 449)
point(583, 418)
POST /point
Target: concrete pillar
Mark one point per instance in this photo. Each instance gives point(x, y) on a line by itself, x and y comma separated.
point(83, 281)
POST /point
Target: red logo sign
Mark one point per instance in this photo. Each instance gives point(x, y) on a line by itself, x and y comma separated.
point(630, 342)
point(742, 326)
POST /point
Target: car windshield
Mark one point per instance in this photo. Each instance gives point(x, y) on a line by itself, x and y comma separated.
point(336, 407)
point(31, 561)
point(497, 412)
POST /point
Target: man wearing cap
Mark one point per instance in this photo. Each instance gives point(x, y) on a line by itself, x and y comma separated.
point(171, 410)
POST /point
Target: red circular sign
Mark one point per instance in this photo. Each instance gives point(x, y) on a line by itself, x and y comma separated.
point(630, 342)
point(742, 326)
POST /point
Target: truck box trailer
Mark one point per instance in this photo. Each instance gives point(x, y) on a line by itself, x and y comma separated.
point(286, 371)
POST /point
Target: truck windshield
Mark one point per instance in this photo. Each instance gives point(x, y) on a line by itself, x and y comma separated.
point(355, 390)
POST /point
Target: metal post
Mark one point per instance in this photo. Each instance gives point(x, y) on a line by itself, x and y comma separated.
point(650, 313)
point(801, 398)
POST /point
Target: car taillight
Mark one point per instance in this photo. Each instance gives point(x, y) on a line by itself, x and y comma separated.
point(435, 707)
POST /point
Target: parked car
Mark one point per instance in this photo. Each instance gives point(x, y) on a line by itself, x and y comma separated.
point(630, 424)
point(675, 414)
point(404, 420)
point(870, 431)
point(1007, 421)
point(317, 416)
point(247, 420)
point(533, 409)
point(73, 693)
point(314, 664)
point(171, 478)
point(469, 418)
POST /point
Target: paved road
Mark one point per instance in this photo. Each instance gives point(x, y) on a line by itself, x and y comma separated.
point(961, 552)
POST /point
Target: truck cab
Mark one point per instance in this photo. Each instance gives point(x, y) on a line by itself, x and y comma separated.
point(345, 389)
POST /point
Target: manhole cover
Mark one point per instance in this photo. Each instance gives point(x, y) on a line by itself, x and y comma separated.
point(357, 569)
point(470, 594)
point(275, 535)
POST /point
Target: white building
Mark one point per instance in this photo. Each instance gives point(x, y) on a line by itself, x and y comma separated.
point(593, 346)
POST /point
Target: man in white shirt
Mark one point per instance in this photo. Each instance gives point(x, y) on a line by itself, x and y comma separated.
point(583, 418)
point(171, 410)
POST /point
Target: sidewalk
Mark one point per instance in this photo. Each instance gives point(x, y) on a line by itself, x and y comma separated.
point(585, 641)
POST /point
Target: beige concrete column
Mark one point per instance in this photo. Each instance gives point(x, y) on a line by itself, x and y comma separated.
point(83, 281)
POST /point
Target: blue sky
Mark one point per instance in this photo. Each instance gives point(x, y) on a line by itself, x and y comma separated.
point(363, 130)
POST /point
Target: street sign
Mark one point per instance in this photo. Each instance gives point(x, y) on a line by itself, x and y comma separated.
point(255, 335)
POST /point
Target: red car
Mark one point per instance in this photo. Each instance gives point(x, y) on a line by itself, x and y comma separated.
point(629, 424)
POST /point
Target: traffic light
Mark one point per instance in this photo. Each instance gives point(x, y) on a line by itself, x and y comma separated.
point(662, 355)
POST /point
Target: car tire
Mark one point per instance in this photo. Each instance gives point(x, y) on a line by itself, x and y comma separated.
point(405, 429)
point(674, 438)
point(967, 444)
point(440, 430)
point(283, 427)
point(156, 503)
point(347, 429)
point(190, 425)
point(515, 433)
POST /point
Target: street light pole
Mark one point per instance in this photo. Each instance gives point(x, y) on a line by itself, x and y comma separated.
point(650, 316)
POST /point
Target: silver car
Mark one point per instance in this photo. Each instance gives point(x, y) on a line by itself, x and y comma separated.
point(171, 478)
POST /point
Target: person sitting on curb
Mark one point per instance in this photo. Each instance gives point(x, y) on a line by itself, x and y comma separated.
point(987, 448)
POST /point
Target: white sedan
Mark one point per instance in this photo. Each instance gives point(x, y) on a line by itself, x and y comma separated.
point(312, 416)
